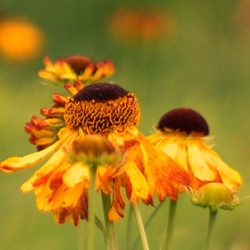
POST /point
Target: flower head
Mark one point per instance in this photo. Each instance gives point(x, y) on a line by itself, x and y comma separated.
point(98, 127)
point(76, 68)
point(183, 136)
point(215, 195)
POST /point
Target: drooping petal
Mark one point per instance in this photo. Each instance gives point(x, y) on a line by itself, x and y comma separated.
point(18, 163)
point(54, 162)
point(198, 164)
point(230, 177)
point(165, 176)
point(104, 175)
point(80, 211)
point(43, 173)
point(76, 174)
point(176, 149)
point(136, 184)
point(173, 145)
point(66, 196)
point(118, 204)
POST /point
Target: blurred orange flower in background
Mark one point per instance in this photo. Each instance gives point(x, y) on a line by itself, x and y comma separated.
point(142, 24)
point(20, 39)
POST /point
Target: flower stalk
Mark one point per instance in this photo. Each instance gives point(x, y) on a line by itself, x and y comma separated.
point(141, 228)
point(212, 218)
point(111, 241)
point(91, 215)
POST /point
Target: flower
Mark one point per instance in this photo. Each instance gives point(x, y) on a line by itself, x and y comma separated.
point(111, 113)
point(142, 24)
point(215, 195)
point(79, 71)
point(183, 136)
point(76, 68)
point(20, 39)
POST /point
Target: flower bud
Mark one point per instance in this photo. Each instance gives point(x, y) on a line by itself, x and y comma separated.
point(215, 195)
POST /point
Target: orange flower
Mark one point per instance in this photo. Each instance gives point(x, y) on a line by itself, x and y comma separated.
point(183, 136)
point(142, 24)
point(20, 39)
point(76, 68)
point(111, 113)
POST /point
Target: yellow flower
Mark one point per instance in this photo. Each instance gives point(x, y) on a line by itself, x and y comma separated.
point(111, 113)
point(183, 136)
point(76, 68)
point(20, 39)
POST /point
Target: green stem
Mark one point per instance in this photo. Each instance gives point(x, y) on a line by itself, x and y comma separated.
point(129, 225)
point(91, 213)
point(141, 228)
point(148, 224)
point(111, 241)
point(170, 226)
point(212, 217)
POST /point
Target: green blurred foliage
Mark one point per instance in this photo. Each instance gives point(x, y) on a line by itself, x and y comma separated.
point(204, 67)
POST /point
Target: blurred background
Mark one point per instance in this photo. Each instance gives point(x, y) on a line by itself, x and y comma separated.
point(170, 54)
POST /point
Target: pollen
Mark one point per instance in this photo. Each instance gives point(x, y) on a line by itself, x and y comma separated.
point(101, 108)
point(183, 120)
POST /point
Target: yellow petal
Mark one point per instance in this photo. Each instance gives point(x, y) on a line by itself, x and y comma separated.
point(198, 164)
point(56, 162)
point(76, 174)
point(230, 178)
point(18, 163)
point(44, 172)
point(176, 150)
point(138, 187)
point(155, 138)
point(47, 75)
point(210, 165)
point(66, 197)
